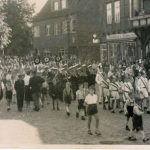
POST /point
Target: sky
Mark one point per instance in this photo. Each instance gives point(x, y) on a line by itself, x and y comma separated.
point(38, 4)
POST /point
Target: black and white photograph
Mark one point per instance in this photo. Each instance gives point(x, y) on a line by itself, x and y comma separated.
point(74, 73)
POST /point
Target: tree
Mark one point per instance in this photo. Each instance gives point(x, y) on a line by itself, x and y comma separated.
point(5, 33)
point(19, 17)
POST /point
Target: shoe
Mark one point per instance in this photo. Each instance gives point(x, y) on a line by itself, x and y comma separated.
point(127, 128)
point(109, 108)
point(82, 118)
point(89, 132)
point(97, 132)
point(68, 114)
point(132, 139)
point(8, 109)
point(113, 111)
point(53, 108)
point(36, 109)
point(145, 140)
point(58, 108)
point(148, 112)
point(100, 103)
point(120, 111)
point(77, 115)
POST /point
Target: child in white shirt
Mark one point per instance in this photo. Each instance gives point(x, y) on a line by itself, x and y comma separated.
point(91, 103)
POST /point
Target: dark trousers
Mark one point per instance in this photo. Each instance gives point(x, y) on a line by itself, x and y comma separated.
point(36, 100)
point(20, 98)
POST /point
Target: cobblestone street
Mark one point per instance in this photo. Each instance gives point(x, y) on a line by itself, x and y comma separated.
point(54, 127)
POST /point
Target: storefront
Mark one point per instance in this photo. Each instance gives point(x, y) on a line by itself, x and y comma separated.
point(119, 47)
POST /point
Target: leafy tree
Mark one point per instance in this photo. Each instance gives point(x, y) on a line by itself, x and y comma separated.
point(18, 16)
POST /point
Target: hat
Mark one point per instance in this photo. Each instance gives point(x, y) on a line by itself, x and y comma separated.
point(70, 67)
point(100, 65)
point(79, 68)
point(53, 68)
point(76, 65)
point(83, 65)
point(89, 66)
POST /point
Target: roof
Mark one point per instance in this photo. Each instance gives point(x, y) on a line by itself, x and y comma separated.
point(76, 6)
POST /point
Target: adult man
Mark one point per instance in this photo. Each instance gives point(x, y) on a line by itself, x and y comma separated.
point(98, 79)
point(19, 87)
point(27, 89)
point(35, 84)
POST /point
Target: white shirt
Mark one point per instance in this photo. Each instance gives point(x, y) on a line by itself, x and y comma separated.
point(127, 87)
point(26, 80)
point(142, 83)
point(98, 78)
point(80, 94)
point(8, 77)
point(149, 86)
point(91, 99)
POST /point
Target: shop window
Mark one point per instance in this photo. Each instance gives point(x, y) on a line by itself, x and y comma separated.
point(56, 29)
point(64, 27)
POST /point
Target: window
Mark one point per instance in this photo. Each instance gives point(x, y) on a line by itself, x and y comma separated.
point(36, 31)
point(61, 52)
point(48, 27)
point(73, 25)
point(56, 6)
point(64, 27)
point(109, 13)
point(64, 4)
point(56, 29)
point(117, 11)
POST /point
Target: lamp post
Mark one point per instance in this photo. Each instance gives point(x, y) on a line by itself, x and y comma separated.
point(96, 40)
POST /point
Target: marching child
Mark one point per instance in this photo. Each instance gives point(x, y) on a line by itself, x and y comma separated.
point(68, 97)
point(9, 92)
point(137, 121)
point(92, 111)
point(113, 87)
point(80, 99)
point(128, 96)
point(86, 92)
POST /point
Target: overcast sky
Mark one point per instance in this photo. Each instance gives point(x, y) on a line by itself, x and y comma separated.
point(38, 4)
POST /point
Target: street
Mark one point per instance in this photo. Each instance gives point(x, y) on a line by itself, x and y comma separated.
point(54, 127)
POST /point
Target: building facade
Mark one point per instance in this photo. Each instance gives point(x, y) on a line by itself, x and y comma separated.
point(119, 40)
point(67, 27)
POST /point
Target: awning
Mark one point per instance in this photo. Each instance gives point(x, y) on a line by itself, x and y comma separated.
point(124, 36)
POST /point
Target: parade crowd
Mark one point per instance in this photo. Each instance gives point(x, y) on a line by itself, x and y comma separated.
point(119, 88)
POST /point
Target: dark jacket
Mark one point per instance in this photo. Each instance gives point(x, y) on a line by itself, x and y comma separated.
point(35, 84)
point(19, 86)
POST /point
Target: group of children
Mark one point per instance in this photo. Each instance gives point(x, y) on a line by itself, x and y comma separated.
point(127, 92)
